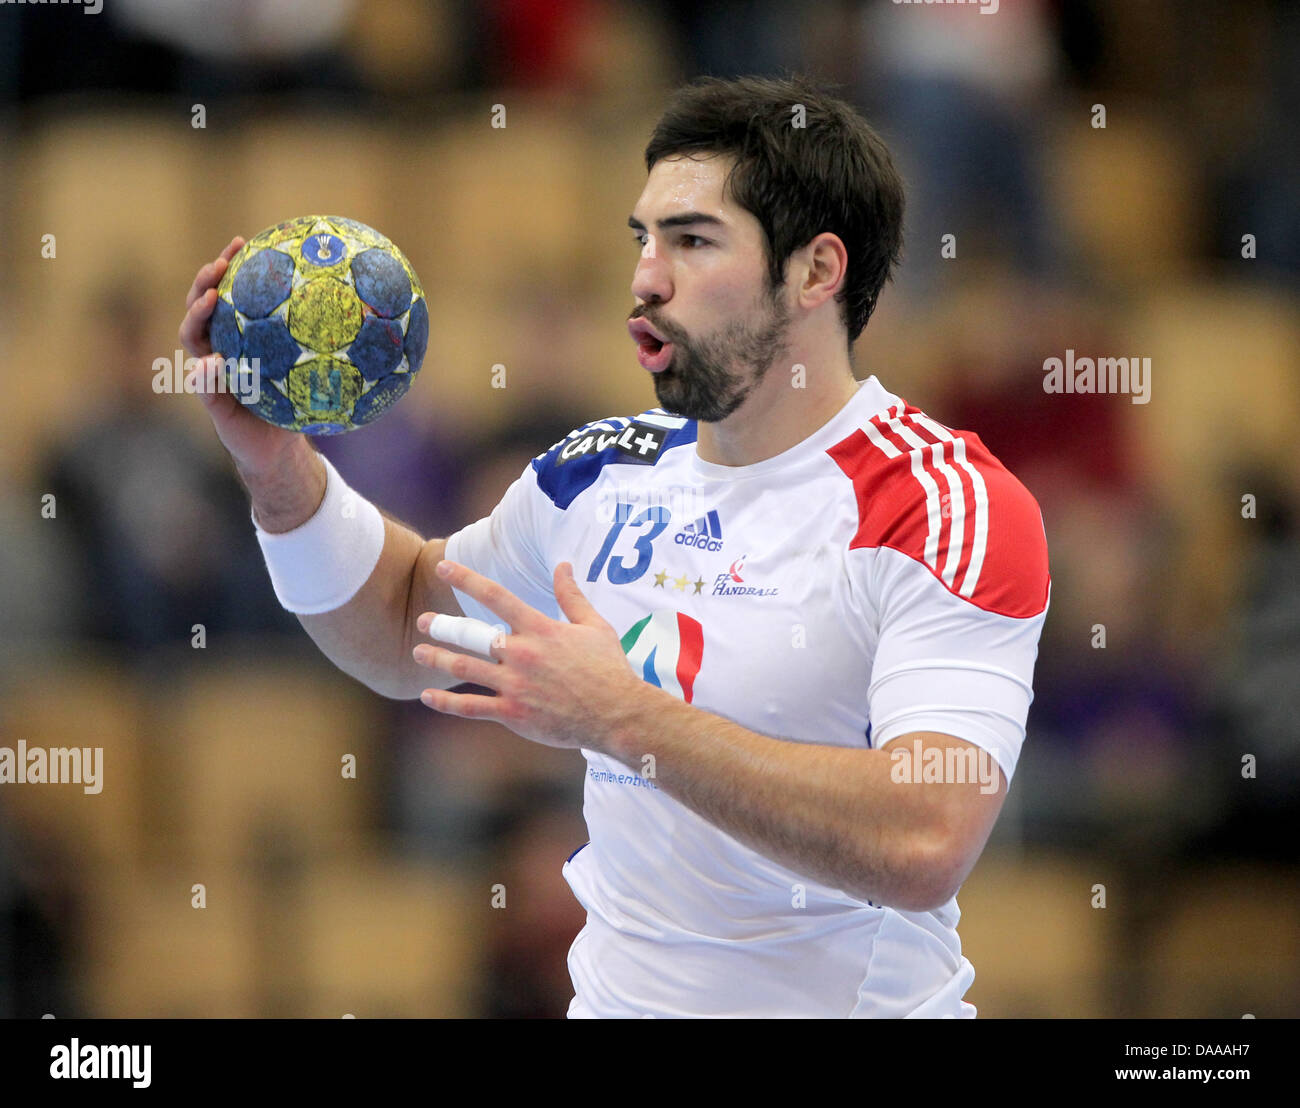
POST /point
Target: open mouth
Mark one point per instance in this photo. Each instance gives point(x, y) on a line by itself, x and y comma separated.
point(653, 354)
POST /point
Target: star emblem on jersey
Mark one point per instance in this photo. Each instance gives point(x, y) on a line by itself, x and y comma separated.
point(665, 580)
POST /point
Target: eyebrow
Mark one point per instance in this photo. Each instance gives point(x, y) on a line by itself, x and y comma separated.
point(686, 219)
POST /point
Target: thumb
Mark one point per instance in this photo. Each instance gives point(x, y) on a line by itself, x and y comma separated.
point(572, 602)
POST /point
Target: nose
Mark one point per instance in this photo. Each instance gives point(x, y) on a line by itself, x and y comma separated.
point(651, 281)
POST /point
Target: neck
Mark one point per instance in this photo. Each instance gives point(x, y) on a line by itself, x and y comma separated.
point(776, 415)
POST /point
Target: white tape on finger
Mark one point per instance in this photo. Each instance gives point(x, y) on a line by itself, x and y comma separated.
point(468, 634)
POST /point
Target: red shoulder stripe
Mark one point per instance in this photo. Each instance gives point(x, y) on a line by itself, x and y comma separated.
point(940, 497)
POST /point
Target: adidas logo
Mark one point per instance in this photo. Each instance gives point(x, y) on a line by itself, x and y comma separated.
point(705, 533)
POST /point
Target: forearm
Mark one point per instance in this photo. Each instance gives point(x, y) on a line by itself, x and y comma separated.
point(832, 813)
point(370, 637)
point(287, 489)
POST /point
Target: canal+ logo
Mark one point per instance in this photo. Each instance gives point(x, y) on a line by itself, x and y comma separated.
point(705, 533)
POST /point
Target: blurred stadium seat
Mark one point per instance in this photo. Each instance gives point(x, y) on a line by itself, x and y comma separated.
point(1039, 949)
point(254, 754)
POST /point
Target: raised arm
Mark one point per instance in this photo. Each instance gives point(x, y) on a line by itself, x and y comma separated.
point(370, 636)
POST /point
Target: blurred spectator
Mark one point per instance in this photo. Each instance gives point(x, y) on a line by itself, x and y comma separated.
point(1115, 734)
point(155, 525)
point(993, 338)
point(534, 44)
point(253, 47)
point(962, 99)
point(733, 38)
point(1257, 692)
point(1255, 191)
point(204, 48)
point(36, 568)
point(265, 30)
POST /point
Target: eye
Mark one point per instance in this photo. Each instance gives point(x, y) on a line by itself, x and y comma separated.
point(640, 239)
point(694, 241)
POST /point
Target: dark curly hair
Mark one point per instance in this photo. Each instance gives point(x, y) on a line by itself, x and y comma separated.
point(832, 173)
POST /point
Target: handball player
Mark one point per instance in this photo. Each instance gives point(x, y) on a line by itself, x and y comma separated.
point(789, 620)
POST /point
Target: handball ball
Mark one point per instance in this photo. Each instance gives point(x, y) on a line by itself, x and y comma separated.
point(334, 316)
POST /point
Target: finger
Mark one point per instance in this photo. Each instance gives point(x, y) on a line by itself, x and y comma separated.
point(572, 602)
point(468, 634)
point(207, 277)
point(204, 379)
point(465, 705)
point(210, 275)
point(201, 283)
point(496, 598)
point(194, 327)
point(461, 666)
point(201, 376)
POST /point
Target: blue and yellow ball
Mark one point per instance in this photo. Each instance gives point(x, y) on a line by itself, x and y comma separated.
point(332, 316)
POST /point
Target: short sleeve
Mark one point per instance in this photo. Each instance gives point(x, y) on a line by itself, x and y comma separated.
point(947, 665)
point(950, 556)
point(510, 547)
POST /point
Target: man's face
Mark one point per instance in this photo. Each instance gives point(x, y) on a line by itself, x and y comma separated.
point(701, 285)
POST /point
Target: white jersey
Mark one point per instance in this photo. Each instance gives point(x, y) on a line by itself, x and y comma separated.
point(884, 576)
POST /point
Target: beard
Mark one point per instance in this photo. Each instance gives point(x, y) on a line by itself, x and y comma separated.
point(710, 378)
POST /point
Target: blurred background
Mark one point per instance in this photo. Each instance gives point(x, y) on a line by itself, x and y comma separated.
point(223, 749)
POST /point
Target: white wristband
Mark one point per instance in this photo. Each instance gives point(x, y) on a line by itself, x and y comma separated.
point(322, 564)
